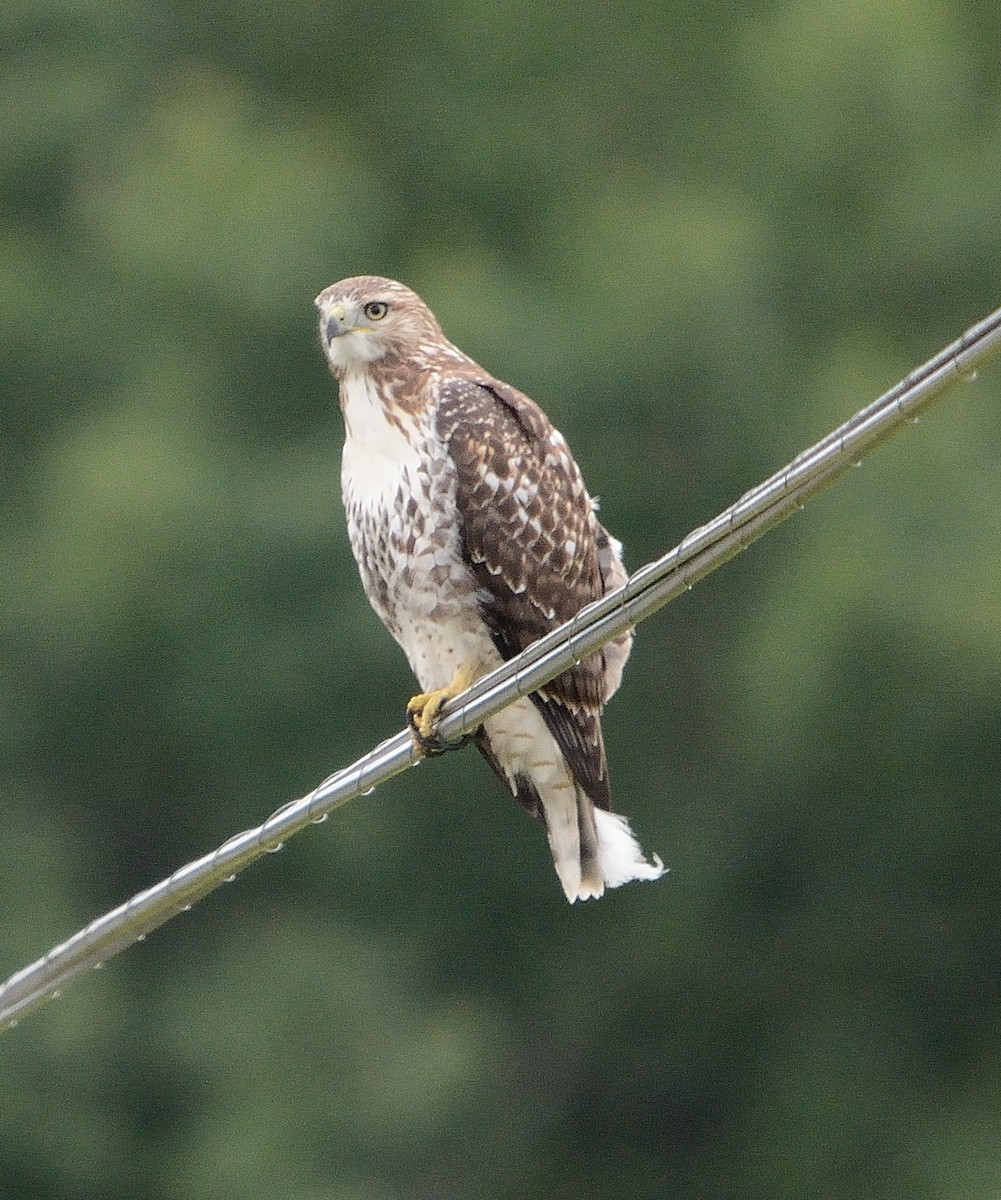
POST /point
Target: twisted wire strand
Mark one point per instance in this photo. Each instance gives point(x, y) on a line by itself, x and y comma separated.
point(649, 589)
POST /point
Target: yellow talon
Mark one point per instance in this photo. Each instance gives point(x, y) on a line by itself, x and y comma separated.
point(423, 709)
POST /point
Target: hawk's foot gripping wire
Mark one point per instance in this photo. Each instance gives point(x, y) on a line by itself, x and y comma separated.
point(423, 709)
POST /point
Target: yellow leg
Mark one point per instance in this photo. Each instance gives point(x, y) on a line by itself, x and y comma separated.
point(423, 709)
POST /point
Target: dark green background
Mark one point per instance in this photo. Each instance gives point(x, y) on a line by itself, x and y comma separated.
point(700, 234)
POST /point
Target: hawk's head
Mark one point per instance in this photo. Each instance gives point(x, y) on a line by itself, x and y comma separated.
point(366, 318)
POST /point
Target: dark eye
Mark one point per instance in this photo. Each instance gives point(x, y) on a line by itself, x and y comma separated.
point(375, 310)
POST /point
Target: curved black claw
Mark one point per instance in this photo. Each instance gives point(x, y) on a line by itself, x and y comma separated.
point(432, 745)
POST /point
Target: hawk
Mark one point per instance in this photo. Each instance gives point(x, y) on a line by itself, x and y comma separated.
point(474, 535)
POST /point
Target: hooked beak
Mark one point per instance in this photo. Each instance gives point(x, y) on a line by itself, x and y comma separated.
point(332, 320)
point(333, 327)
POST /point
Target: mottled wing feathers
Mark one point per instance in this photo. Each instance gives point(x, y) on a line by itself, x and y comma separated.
point(525, 514)
point(531, 538)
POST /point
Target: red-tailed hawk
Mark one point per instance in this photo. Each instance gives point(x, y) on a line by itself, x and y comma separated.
point(474, 535)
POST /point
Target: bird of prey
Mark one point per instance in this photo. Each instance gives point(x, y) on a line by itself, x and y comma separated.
point(474, 536)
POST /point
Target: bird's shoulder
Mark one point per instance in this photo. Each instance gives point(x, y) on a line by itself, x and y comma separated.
point(473, 397)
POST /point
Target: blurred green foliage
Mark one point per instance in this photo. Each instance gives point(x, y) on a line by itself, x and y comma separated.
point(700, 235)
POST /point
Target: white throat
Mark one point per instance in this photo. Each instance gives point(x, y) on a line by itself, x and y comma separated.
point(354, 348)
point(377, 453)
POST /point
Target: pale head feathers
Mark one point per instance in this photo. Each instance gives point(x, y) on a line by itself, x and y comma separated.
point(367, 320)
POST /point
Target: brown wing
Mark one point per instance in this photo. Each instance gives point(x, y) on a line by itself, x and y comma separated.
point(530, 536)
